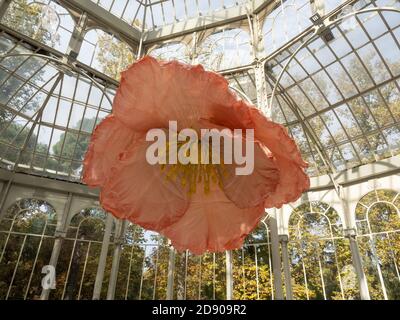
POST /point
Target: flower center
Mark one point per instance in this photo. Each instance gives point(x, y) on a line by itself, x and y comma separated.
point(190, 174)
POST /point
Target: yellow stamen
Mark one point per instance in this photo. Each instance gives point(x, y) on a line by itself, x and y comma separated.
point(189, 175)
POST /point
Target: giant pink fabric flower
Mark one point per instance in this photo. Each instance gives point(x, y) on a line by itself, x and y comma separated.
point(151, 94)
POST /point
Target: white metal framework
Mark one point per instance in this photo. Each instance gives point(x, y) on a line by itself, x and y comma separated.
point(332, 80)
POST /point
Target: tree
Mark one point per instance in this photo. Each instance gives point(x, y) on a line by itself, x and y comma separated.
point(203, 277)
point(319, 255)
point(379, 225)
point(73, 146)
point(365, 114)
point(28, 219)
point(27, 17)
point(21, 16)
point(113, 55)
point(376, 108)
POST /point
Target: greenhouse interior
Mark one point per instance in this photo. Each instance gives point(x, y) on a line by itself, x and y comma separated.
point(328, 71)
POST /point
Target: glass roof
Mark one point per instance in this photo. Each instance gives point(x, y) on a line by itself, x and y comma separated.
point(347, 90)
point(42, 20)
point(157, 13)
point(72, 105)
point(339, 97)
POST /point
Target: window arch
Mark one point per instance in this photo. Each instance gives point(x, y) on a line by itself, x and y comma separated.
point(378, 228)
point(130, 11)
point(339, 92)
point(226, 49)
point(58, 143)
point(285, 22)
point(252, 272)
point(26, 242)
point(143, 268)
point(172, 51)
point(105, 53)
point(245, 82)
point(43, 20)
point(319, 255)
point(378, 211)
point(88, 224)
point(79, 257)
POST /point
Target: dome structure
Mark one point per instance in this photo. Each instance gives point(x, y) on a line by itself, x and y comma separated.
point(329, 71)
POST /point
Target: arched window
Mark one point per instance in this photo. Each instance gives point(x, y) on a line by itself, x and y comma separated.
point(244, 82)
point(285, 22)
point(336, 87)
point(200, 276)
point(160, 13)
point(130, 11)
point(143, 267)
point(226, 49)
point(143, 270)
point(43, 20)
point(378, 227)
point(60, 138)
point(26, 242)
point(252, 272)
point(320, 258)
point(104, 52)
point(79, 257)
point(172, 51)
point(131, 264)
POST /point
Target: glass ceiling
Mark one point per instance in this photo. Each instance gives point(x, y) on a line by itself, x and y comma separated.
point(72, 106)
point(339, 95)
point(157, 13)
point(347, 90)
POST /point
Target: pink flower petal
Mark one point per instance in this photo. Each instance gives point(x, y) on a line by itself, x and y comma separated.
point(152, 93)
point(248, 191)
point(293, 181)
point(276, 138)
point(140, 192)
point(273, 135)
point(109, 139)
point(212, 222)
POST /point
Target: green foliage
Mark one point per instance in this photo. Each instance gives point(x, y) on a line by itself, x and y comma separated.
point(114, 56)
point(26, 17)
point(247, 278)
point(319, 255)
point(319, 263)
point(28, 219)
point(73, 146)
point(379, 224)
point(23, 17)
